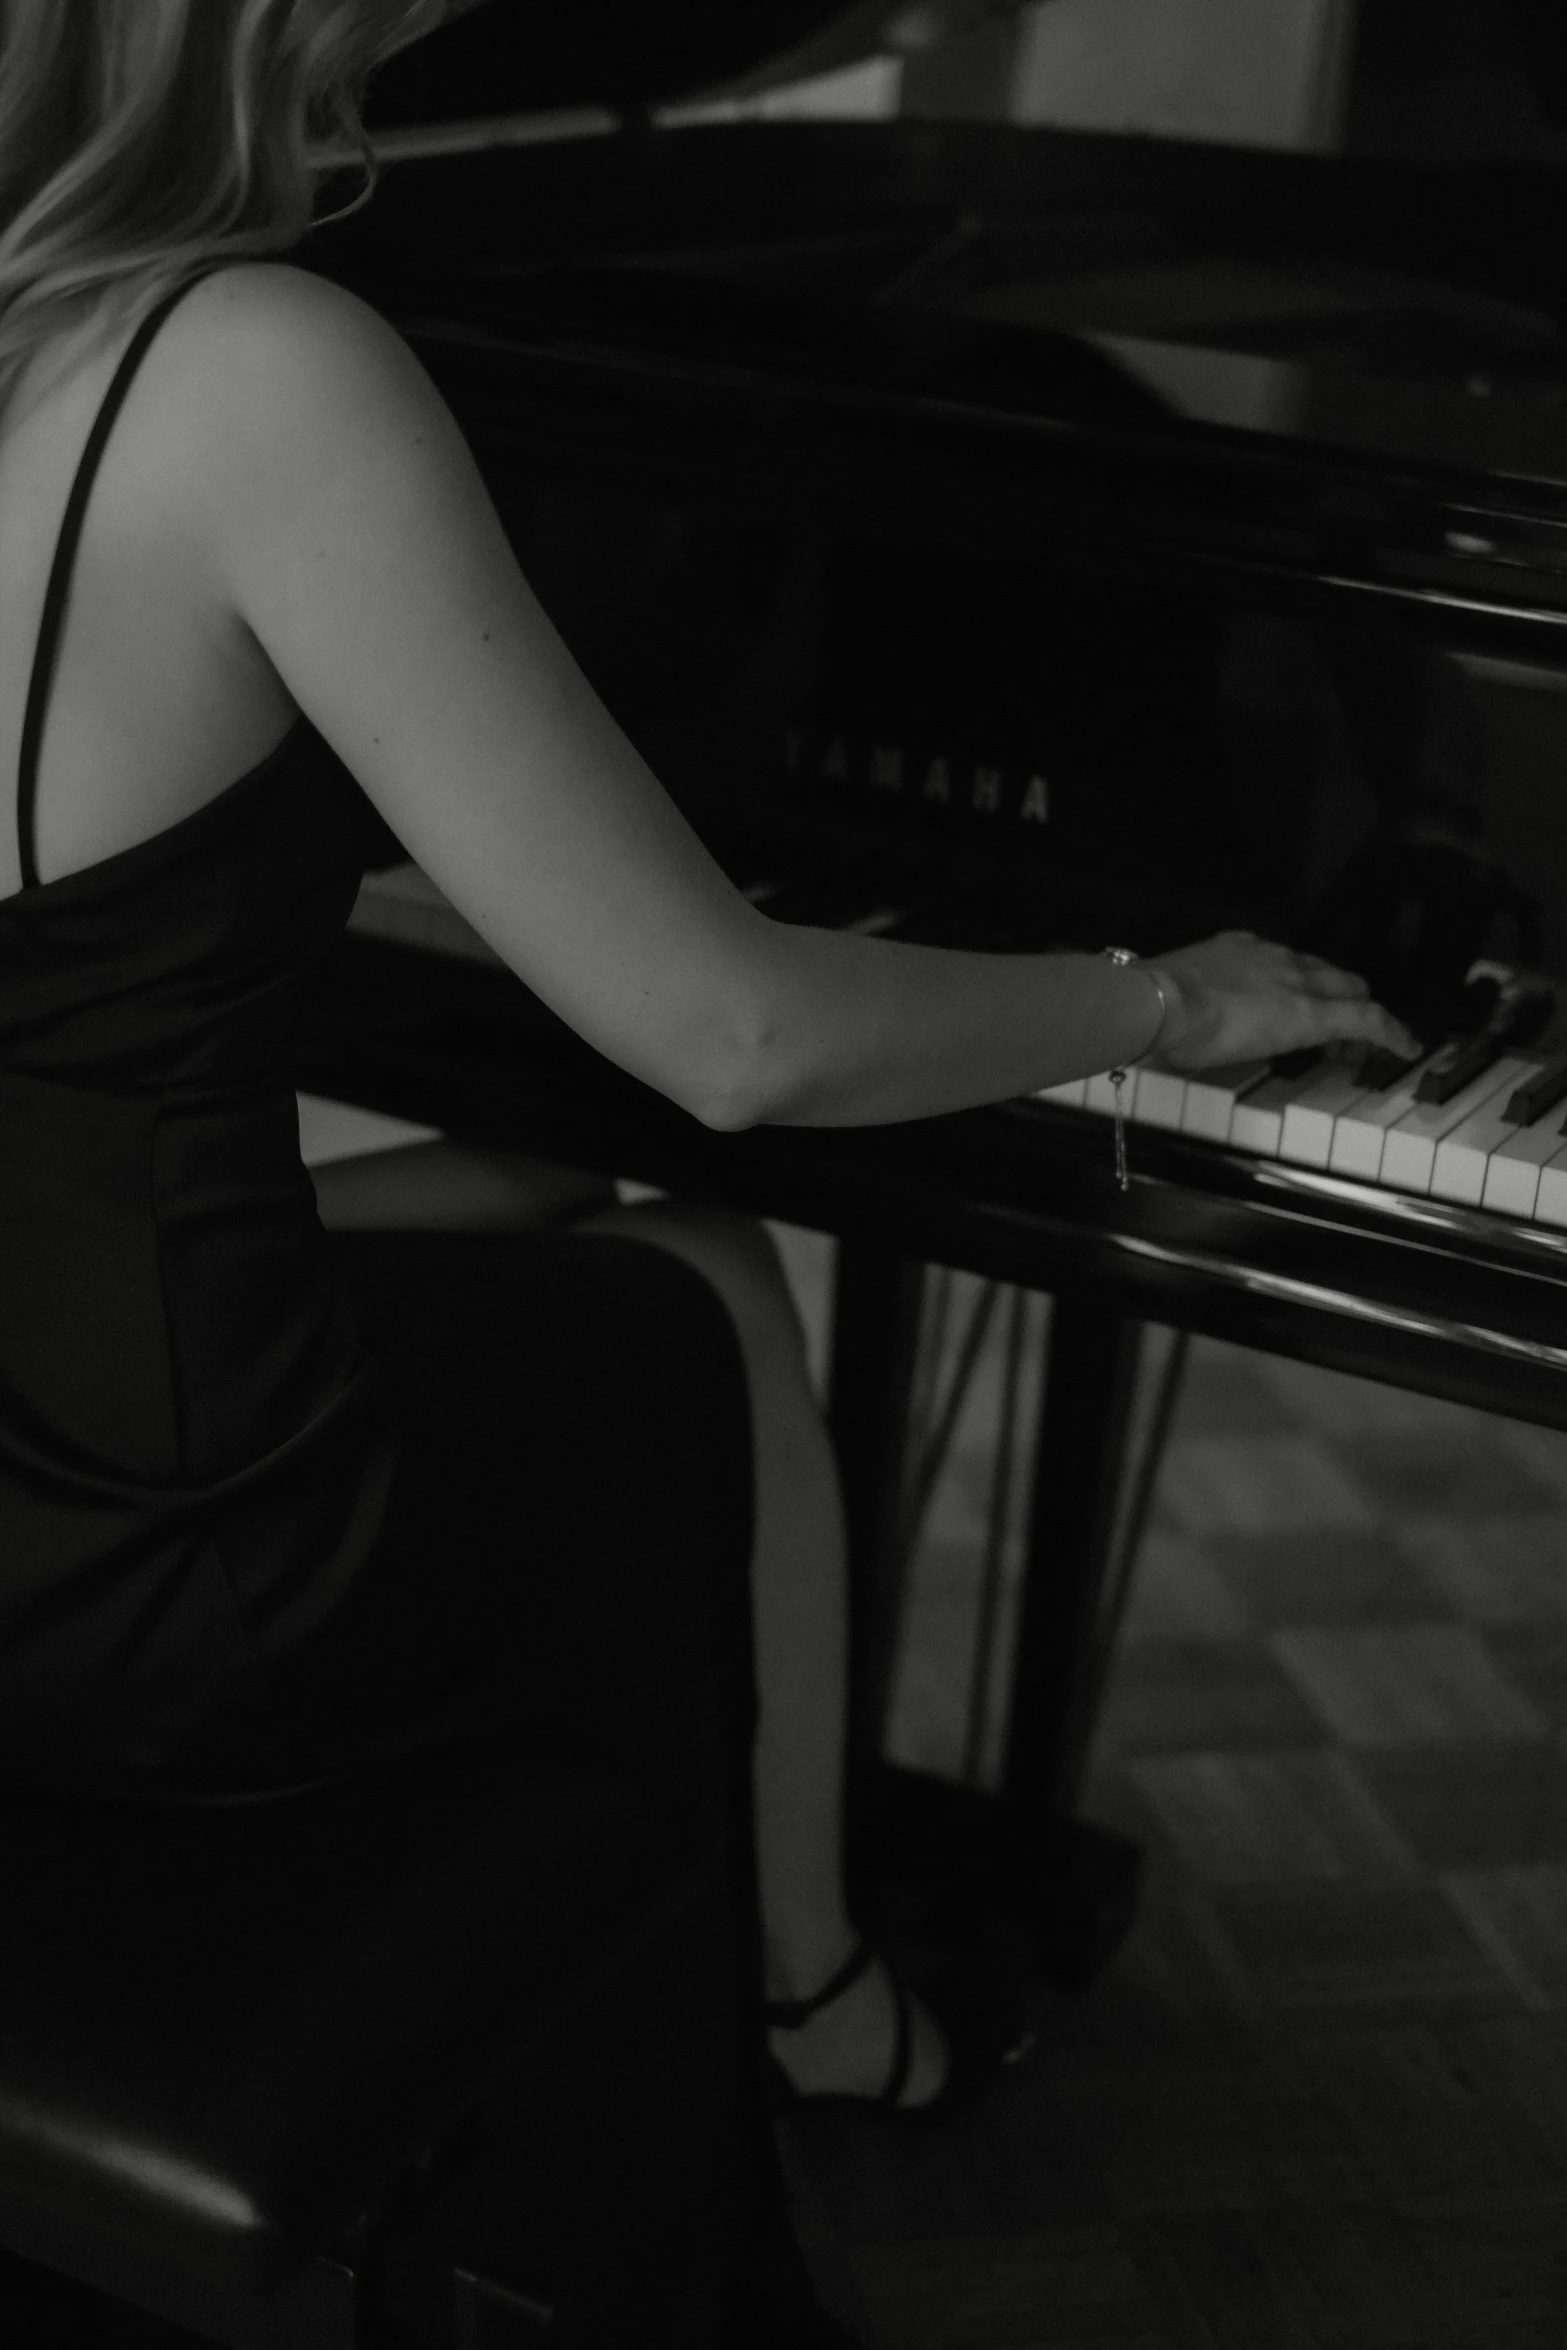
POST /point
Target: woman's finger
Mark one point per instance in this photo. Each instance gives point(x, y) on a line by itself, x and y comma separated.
point(1346, 1020)
point(1326, 979)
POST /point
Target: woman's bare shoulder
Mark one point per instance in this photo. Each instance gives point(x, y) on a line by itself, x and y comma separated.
point(278, 303)
point(267, 332)
point(290, 397)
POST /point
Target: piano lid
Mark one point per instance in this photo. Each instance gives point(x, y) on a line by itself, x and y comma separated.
point(1396, 313)
point(529, 56)
point(1308, 341)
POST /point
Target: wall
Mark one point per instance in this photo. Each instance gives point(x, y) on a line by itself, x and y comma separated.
point(1267, 73)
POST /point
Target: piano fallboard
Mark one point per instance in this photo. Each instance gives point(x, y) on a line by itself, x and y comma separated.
point(1415, 1292)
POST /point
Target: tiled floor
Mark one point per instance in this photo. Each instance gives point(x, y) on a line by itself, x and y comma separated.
point(1344, 1672)
point(1320, 2101)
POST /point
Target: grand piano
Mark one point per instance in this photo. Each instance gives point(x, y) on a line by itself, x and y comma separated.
point(1021, 537)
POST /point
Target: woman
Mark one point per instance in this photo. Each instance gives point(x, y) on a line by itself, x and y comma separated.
point(242, 1545)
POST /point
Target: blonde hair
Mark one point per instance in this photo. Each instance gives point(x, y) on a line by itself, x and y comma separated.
point(140, 138)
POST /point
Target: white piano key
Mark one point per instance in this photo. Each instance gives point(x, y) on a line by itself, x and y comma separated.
point(1360, 1132)
point(1512, 1175)
point(1161, 1098)
point(1463, 1156)
point(403, 904)
point(331, 1130)
point(1258, 1123)
point(1550, 1206)
point(1211, 1099)
point(1071, 1095)
point(1309, 1120)
point(1409, 1153)
point(1101, 1095)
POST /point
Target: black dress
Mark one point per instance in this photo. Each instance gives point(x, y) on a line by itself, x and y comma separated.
point(272, 1505)
point(275, 1507)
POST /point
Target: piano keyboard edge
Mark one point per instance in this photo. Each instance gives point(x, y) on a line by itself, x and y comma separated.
point(1464, 1154)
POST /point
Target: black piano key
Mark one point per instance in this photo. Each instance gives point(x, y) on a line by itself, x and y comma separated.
point(1528, 1016)
point(1381, 1069)
point(1538, 1093)
point(1457, 1067)
point(1297, 1064)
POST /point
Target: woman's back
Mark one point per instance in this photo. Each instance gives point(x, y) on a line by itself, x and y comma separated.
point(160, 695)
point(197, 1464)
point(209, 1502)
point(191, 1442)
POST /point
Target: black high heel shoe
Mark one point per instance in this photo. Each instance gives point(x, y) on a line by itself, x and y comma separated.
point(981, 2022)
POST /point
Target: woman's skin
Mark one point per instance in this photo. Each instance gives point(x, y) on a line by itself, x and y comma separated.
point(287, 519)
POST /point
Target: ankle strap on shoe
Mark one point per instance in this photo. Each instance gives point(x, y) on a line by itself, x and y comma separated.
point(787, 2015)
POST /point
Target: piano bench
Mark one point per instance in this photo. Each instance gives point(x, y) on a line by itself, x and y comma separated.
point(238, 2043)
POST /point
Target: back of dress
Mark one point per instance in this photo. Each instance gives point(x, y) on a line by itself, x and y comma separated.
point(193, 1452)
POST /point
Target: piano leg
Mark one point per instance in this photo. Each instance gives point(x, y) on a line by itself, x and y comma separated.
point(1110, 1393)
point(929, 1856)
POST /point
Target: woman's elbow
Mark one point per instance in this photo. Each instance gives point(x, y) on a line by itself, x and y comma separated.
point(734, 1095)
point(758, 1050)
point(746, 1078)
point(727, 1111)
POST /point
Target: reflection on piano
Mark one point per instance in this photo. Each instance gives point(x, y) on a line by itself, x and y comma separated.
point(1022, 539)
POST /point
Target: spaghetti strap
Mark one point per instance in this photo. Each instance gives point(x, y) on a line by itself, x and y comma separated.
point(57, 594)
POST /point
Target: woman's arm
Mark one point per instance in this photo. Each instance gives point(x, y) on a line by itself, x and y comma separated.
point(356, 540)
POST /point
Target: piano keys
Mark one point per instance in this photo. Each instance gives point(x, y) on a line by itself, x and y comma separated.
point(1471, 1149)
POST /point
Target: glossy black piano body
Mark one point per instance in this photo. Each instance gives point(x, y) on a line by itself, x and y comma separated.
point(966, 619)
point(1020, 538)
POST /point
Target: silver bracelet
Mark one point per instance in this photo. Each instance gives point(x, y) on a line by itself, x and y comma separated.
point(1118, 1077)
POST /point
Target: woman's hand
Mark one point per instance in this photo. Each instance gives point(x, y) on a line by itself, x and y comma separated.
point(1240, 998)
